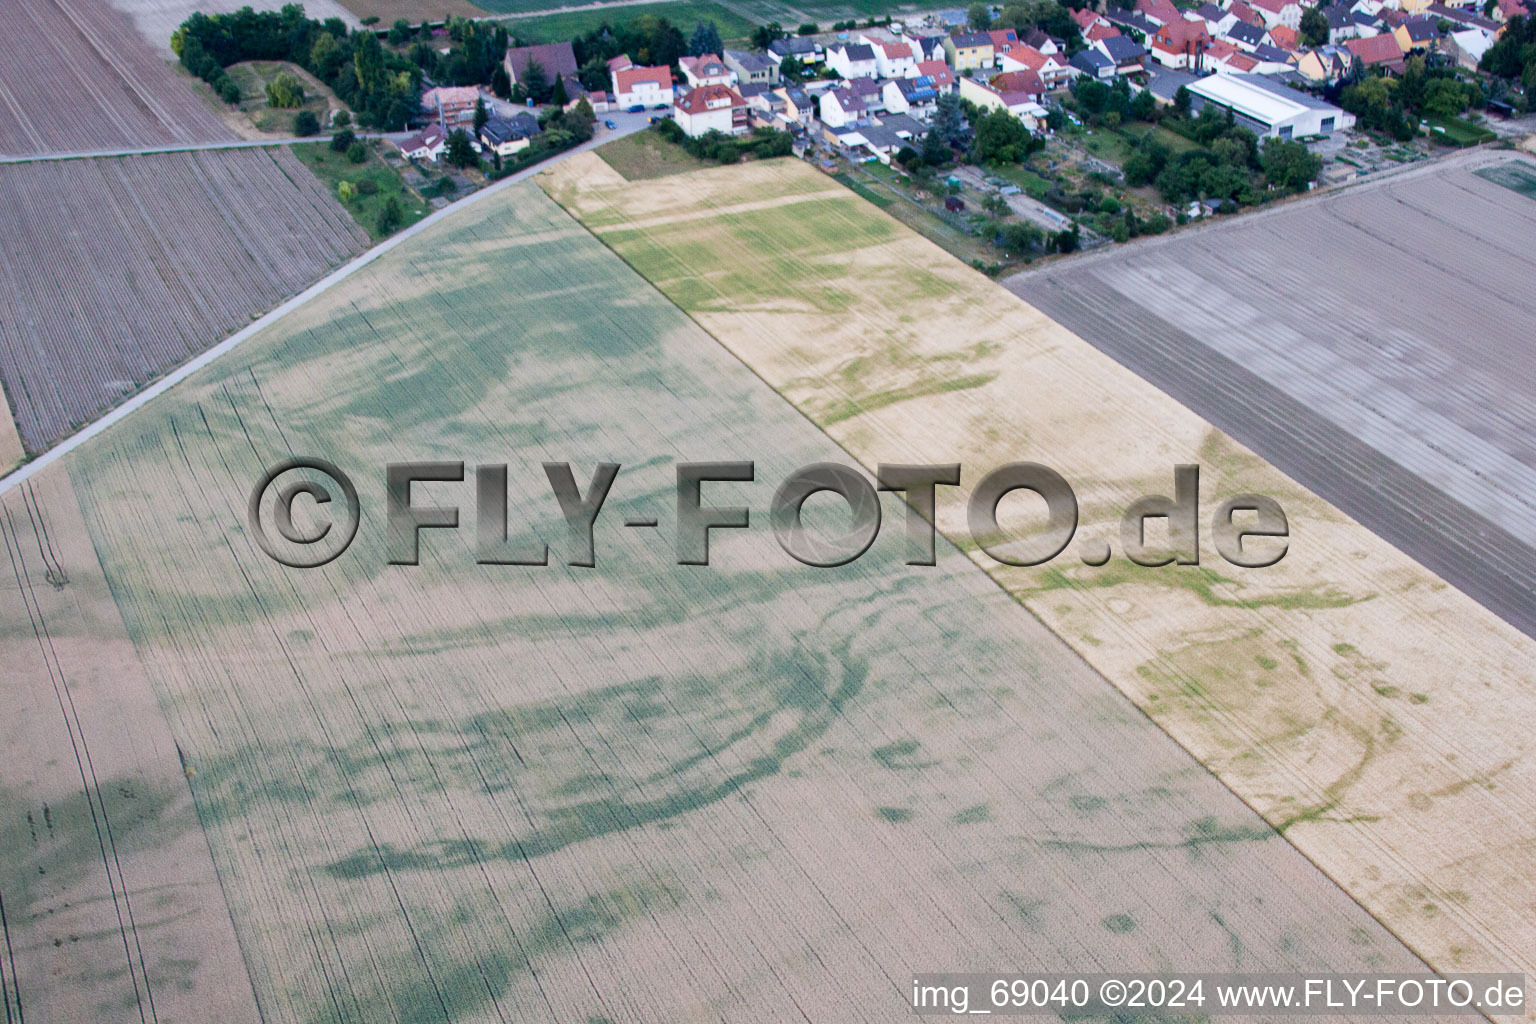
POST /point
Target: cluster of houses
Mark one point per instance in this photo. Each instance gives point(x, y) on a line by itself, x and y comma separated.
point(877, 88)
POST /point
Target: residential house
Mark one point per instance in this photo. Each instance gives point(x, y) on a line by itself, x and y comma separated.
point(967, 50)
point(1285, 37)
point(1341, 23)
point(1040, 40)
point(1093, 63)
point(929, 47)
point(1159, 12)
point(802, 48)
point(940, 74)
point(1463, 18)
point(1051, 67)
point(1018, 92)
point(1217, 19)
point(1004, 41)
point(893, 59)
point(908, 95)
point(1380, 51)
point(1412, 7)
point(451, 105)
point(505, 137)
point(1506, 9)
point(552, 59)
point(1224, 58)
point(853, 60)
point(1247, 36)
point(1278, 12)
point(752, 67)
point(840, 107)
point(706, 69)
point(1467, 45)
point(1133, 23)
point(1086, 18)
point(711, 108)
point(1101, 30)
point(638, 85)
point(1179, 43)
point(428, 144)
point(1325, 64)
point(798, 105)
point(1419, 35)
point(1272, 60)
point(1128, 57)
point(1245, 14)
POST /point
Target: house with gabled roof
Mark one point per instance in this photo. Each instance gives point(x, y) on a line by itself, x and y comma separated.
point(506, 136)
point(428, 144)
point(1018, 92)
point(1381, 51)
point(802, 48)
point(1051, 67)
point(1285, 37)
point(638, 85)
point(906, 95)
point(1217, 19)
point(1278, 12)
point(1325, 64)
point(1102, 30)
point(553, 59)
point(940, 73)
point(1093, 63)
point(1246, 36)
point(853, 60)
point(1160, 12)
point(839, 107)
point(1004, 41)
point(750, 66)
point(711, 108)
point(1245, 14)
point(705, 69)
point(893, 58)
point(451, 105)
point(966, 50)
point(1128, 57)
point(1419, 35)
point(1179, 43)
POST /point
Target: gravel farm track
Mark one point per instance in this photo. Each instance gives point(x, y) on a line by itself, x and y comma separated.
point(117, 269)
point(74, 75)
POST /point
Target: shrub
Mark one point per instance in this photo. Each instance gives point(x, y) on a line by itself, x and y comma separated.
point(229, 92)
point(342, 119)
point(357, 152)
point(367, 187)
point(285, 91)
point(391, 214)
point(342, 140)
point(305, 124)
point(346, 191)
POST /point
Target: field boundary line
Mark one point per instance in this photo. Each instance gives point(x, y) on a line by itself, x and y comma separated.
point(341, 273)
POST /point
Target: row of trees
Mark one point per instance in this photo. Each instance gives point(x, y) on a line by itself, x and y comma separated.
point(1514, 55)
point(383, 87)
point(763, 143)
point(1394, 105)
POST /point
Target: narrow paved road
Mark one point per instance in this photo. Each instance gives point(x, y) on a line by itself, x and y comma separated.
point(626, 124)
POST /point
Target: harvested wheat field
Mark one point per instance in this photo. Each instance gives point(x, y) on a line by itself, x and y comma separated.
point(157, 19)
point(11, 452)
point(1369, 712)
point(116, 270)
point(752, 791)
point(74, 77)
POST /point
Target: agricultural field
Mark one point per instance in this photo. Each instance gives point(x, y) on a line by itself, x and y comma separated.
point(647, 155)
point(554, 27)
point(752, 791)
point(157, 19)
point(1443, 462)
point(1369, 712)
point(116, 270)
point(11, 452)
point(74, 77)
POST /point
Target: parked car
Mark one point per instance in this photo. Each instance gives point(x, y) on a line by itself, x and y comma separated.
point(637, 108)
point(609, 125)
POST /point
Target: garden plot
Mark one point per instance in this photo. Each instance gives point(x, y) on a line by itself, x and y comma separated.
point(75, 77)
point(752, 791)
point(117, 270)
point(1366, 709)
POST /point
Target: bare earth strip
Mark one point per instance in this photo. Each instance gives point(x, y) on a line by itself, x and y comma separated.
point(157, 19)
point(1369, 711)
point(1411, 409)
point(639, 792)
point(111, 905)
point(75, 76)
point(116, 270)
point(11, 452)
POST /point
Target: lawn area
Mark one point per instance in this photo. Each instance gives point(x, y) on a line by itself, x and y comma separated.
point(552, 28)
point(647, 155)
point(334, 168)
point(1457, 131)
point(1027, 179)
point(253, 76)
point(1117, 144)
point(1135, 131)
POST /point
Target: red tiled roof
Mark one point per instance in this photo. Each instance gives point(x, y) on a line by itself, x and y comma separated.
point(1016, 82)
point(1382, 49)
point(1272, 6)
point(1246, 14)
point(1086, 18)
point(1161, 10)
point(1179, 36)
point(937, 70)
point(626, 79)
point(698, 101)
point(1242, 61)
point(1285, 37)
point(1100, 31)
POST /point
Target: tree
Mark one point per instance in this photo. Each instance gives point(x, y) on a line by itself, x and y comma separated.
point(907, 157)
point(341, 118)
point(791, 70)
point(285, 90)
point(342, 140)
point(807, 28)
point(996, 206)
point(1018, 238)
point(535, 82)
point(357, 152)
point(1314, 26)
point(766, 35)
point(501, 82)
point(399, 32)
point(305, 124)
point(391, 214)
point(705, 39)
point(557, 95)
point(949, 119)
point(481, 114)
point(461, 150)
point(936, 152)
point(346, 191)
point(1002, 138)
point(1144, 106)
point(979, 17)
point(1289, 164)
point(1182, 101)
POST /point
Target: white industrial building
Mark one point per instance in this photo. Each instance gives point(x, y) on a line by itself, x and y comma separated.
point(1271, 108)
